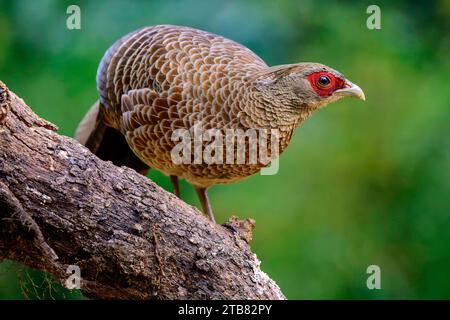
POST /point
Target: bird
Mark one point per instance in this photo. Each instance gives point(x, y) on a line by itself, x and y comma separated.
point(160, 79)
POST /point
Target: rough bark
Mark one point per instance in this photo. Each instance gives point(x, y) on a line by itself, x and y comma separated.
point(60, 205)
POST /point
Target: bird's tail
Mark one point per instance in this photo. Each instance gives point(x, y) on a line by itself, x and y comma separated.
point(106, 142)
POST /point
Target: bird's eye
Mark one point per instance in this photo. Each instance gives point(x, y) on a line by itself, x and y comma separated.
point(323, 81)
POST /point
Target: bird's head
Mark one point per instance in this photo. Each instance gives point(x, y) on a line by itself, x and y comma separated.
point(304, 87)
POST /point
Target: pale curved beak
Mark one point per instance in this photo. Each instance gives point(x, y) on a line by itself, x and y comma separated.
point(351, 90)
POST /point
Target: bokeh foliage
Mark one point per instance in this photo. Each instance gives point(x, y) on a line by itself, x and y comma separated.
point(360, 184)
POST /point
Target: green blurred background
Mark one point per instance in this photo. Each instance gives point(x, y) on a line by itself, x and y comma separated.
point(360, 184)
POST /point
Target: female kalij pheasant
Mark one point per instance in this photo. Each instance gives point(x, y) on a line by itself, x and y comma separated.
point(158, 79)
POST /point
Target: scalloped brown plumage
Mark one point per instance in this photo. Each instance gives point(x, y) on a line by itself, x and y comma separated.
point(162, 78)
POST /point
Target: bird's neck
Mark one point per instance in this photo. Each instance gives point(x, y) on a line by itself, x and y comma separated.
point(263, 110)
point(269, 109)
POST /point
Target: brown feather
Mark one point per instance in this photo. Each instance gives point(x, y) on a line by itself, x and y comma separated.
point(161, 78)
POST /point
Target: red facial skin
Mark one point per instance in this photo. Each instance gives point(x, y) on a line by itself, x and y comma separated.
point(325, 90)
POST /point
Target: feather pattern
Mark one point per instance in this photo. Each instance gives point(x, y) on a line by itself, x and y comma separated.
point(162, 78)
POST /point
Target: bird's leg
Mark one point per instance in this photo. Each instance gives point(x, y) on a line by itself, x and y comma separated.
point(176, 187)
point(206, 205)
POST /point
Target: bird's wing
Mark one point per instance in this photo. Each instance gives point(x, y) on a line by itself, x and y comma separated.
point(206, 69)
point(148, 120)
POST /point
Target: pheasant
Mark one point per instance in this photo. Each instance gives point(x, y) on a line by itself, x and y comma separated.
point(160, 79)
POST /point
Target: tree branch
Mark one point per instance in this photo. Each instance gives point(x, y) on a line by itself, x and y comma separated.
point(60, 205)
